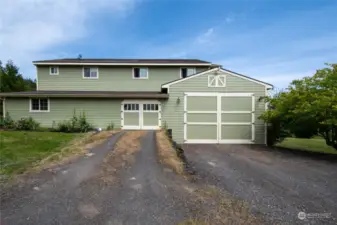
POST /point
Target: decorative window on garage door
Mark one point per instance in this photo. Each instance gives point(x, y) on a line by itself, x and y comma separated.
point(131, 107)
point(150, 107)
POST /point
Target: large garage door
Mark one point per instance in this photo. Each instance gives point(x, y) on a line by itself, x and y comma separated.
point(219, 118)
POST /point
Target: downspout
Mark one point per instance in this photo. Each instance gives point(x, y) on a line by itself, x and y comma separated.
point(3, 108)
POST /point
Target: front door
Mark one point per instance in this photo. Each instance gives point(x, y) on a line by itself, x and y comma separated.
point(140, 115)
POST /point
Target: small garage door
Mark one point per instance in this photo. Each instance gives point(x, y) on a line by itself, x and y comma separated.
point(219, 118)
point(141, 115)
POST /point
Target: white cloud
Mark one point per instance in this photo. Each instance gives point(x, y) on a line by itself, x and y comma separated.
point(29, 28)
point(205, 37)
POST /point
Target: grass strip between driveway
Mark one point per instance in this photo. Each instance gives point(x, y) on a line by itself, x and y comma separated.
point(167, 154)
point(22, 151)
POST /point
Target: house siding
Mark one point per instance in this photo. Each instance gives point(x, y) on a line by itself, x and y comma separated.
point(70, 78)
point(99, 112)
point(173, 112)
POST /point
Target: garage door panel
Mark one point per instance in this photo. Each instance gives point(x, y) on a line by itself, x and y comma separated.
point(240, 132)
point(131, 119)
point(236, 117)
point(201, 103)
point(150, 119)
point(236, 103)
point(202, 117)
point(202, 132)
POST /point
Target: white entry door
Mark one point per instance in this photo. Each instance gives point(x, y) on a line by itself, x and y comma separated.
point(141, 115)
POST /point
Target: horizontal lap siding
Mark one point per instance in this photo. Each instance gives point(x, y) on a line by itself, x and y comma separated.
point(98, 112)
point(173, 110)
point(110, 79)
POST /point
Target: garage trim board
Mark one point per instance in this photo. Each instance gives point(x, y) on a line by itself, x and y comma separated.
point(140, 115)
point(239, 129)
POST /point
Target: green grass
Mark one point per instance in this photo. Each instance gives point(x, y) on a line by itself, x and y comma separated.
point(312, 145)
point(20, 150)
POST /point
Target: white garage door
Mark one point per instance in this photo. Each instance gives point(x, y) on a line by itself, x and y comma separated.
point(219, 118)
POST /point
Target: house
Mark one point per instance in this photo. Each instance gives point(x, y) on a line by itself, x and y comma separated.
point(200, 101)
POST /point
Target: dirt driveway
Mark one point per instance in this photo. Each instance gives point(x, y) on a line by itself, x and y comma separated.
point(275, 184)
point(121, 182)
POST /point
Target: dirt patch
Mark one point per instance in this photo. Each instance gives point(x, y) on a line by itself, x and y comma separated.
point(217, 207)
point(121, 156)
point(167, 154)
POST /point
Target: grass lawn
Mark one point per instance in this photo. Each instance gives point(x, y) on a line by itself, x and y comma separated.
point(19, 150)
point(312, 145)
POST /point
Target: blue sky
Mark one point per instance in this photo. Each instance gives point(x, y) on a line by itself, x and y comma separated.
point(272, 40)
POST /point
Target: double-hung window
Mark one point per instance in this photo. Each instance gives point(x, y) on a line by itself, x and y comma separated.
point(90, 73)
point(185, 72)
point(39, 105)
point(53, 70)
point(140, 73)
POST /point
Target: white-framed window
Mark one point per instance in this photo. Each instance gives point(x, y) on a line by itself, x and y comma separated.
point(54, 70)
point(131, 107)
point(151, 107)
point(90, 73)
point(185, 72)
point(140, 73)
point(39, 105)
point(217, 81)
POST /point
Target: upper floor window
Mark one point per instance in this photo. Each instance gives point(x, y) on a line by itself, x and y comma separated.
point(185, 72)
point(90, 73)
point(53, 70)
point(216, 81)
point(39, 105)
point(140, 73)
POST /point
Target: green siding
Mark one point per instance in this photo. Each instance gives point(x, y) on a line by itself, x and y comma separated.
point(173, 112)
point(236, 103)
point(201, 132)
point(202, 117)
point(150, 119)
point(236, 132)
point(99, 112)
point(110, 79)
point(131, 118)
point(236, 117)
point(201, 103)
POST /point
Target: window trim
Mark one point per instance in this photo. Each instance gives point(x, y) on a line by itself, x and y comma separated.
point(140, 78)
point(90, 78)
point(30, 105)
point(53, 74)
point(217, 80)
point(181, 74)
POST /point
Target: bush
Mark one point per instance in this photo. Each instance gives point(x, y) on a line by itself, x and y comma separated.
point(75, 124)
point(110, 126)
point(26, 124)
point(7, 122)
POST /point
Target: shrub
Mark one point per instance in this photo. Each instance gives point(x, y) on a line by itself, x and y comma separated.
point(7, 122)
point(110, 126)
point(75, 124)
point(27, 124)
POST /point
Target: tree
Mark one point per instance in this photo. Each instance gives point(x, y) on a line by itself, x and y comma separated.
point(309, 107)
point(12, 81)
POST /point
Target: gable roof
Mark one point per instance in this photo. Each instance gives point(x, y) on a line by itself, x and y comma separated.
point(75, 61)
point(166, 85)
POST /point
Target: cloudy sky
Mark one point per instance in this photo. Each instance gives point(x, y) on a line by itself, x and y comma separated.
point(272, 40)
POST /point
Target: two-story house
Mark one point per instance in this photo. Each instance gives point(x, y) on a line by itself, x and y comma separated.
point(200, 101)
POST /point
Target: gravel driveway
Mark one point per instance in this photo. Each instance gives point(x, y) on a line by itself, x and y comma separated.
point(144, 192)
point(276, 185)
